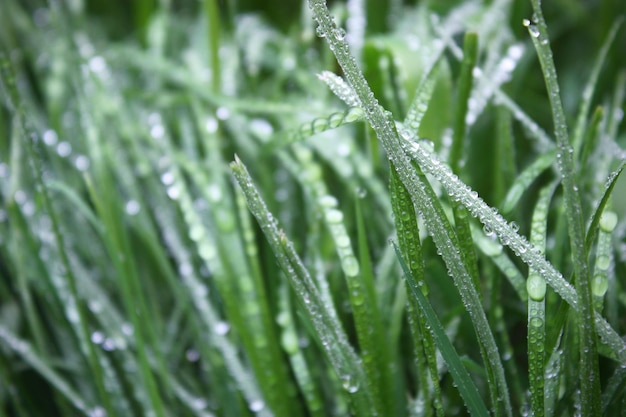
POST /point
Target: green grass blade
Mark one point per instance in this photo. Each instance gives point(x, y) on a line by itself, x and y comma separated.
point(587, 96)
point(329, 331)
point(536, 285)
point(597, 214)
point(508, 236)
point(438, 227)
point(589, 372)
point(465, 385)
point(525, 179)
point(409, 241)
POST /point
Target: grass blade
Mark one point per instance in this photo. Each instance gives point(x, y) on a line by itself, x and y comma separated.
point(589, 373)
point(466, 386)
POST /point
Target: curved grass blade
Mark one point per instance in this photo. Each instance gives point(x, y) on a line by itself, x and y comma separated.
point(508, 236)
point(536, 285)
point(604, 259)
point(465, 385)
point(421, 193)
point(592, 230)
point(24, 350)
point(525, 179)
point(587, 96)
point(328, 330)
point(318, 125)
point(409, 241)
point(589, 373)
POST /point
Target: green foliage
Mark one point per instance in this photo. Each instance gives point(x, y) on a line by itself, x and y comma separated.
point(143, 272)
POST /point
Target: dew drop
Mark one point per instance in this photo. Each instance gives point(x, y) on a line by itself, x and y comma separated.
point(536, 287)
point(339, 34)
point(599, 285)
point(334, 216)
point(64, 149)
point(256, 406)
point(349, 383)
point(350, 266)
point(603, 262)
point(221, 328)
point(132, 207)
point(97, 337)
point(608, 221)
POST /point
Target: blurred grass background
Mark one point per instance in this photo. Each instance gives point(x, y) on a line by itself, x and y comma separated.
point(136, 108)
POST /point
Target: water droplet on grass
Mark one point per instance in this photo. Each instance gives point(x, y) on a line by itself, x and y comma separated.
point(132, 207)
point(97, 337)
point(221, 328)
point(349, 383)
point(608, 221)
point(603, 262)
point(64, 149)
point(339, 34)
point(536, 287)
point(256, 406)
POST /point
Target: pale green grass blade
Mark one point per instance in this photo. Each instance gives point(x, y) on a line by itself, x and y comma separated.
point(587, 96)
point(409, 240)
point(438, 227)
point(589, 372)
point(373, 333)
point(301, 367)
point(333, 339)
point(24, 350)
point(525, 179)
point(536, 285)
point(34, 157)
point(457, 150)
point(319, 125)
point(508, 236)
point(592, 230)
point(465, 385)
point(604, 264)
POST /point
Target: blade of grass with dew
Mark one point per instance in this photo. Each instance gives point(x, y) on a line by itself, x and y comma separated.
point(210, 252)
point(496, 71)
point(382, 358)
point(508, 236)
point(409, 241)
point(24, 350)
point(597, 214)
point(82, 332)
point(604, 259)
point(108, 208)
point(361, 294)
point(589, 372)
point(459, 132)
point(207, 316)
point(438, 226)
point(525, 179)
point(591, 136)
point(536, 285)
point(248, 290)
point(587, 95)
point(465, 385)
point(504, 167)
point(333, 339)
point(318, 125)
point(300, 366)
point(495, 252)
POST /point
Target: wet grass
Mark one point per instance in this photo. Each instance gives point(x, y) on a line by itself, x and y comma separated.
point(225, 209)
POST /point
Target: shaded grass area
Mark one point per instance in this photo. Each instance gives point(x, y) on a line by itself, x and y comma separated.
point(143, 272)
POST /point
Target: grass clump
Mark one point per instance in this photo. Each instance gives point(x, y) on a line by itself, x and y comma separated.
point(225, 209)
